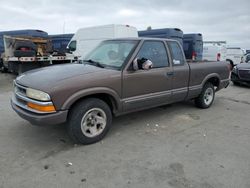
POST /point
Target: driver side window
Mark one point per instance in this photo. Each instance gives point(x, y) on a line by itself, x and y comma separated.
point(154, 51)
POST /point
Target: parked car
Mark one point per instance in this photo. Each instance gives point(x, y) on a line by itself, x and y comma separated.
point(193, 46)
point(117, 77)
point(241, 74)
point(235, 55)
point(86, 39)
point(246, 58)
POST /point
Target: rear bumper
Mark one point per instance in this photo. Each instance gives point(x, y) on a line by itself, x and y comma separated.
point(41, 119)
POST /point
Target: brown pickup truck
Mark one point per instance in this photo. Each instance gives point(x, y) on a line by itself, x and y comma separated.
point(118, 77)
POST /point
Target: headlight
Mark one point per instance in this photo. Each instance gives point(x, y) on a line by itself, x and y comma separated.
point(235, 69)
point(38, 95)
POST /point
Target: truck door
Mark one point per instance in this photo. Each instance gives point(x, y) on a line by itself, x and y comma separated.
point(180, 72)
point(147, 88)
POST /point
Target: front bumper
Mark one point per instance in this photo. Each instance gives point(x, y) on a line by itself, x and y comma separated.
point(235, 78)
point(40, 119)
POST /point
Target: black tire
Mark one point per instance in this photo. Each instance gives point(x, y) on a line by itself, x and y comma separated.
point(79, 113)
point(20, 53)
point(25, 44)
point(236, 83)
point(201, 101)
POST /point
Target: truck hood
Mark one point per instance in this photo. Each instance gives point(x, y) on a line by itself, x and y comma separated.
point(243, 66)
point(49, 77)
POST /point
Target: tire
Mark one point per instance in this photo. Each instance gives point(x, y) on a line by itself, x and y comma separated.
point(236, 83)
point(20, 53)
point(83, 124)
point(25, 44)
point(206, 98)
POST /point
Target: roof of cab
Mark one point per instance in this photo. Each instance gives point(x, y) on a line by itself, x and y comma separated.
point(142, 38)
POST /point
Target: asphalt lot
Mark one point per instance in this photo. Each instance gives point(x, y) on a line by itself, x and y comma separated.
point(175, 146)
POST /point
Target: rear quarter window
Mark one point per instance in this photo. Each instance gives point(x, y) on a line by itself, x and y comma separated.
point(177, 54)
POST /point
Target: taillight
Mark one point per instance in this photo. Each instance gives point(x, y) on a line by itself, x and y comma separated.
point(218, 57)
point(194, 55)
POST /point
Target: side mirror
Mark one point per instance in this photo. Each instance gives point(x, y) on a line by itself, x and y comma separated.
point(143, 64)
point(68, 50)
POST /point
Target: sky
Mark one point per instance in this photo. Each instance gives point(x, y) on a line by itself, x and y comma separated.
point(224, 20)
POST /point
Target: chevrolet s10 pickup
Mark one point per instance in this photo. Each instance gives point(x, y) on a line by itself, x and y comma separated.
point(119, 76)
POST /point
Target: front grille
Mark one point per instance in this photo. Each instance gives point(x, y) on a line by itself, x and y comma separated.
point(244, 74)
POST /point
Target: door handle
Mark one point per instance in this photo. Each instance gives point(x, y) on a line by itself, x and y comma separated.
point(170, 73)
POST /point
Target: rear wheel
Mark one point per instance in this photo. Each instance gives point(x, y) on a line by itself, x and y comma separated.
point(206, 98)
point(89, 121)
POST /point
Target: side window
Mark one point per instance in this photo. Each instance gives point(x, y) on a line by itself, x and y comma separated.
point(177, 54)
point(154, 51)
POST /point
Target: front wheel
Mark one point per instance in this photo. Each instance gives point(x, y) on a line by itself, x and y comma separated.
point(89, 121)
point(206, 98)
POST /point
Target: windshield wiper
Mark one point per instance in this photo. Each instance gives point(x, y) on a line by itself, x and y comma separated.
point(95, 63)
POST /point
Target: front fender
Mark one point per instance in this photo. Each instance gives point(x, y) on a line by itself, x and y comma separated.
point(92, 91)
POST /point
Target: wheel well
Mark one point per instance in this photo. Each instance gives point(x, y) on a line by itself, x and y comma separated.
point(103, 96)
point(231, 62)
point(214, 80)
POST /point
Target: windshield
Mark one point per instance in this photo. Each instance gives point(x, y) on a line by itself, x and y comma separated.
point(72, 46)
point(112, 53)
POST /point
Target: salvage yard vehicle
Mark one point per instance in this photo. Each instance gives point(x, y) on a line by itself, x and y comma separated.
point(21, 33)
point(214, 51)
point(117, 77)
point(60, 42)
point(241, 74)
point(235, 55)
point(25, 53)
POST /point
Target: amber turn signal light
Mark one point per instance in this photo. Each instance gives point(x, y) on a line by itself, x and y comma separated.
point(49, 108)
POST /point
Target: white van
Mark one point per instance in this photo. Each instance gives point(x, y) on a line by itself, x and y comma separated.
point(86, 39)
point(235, 55)
point(214, 50)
